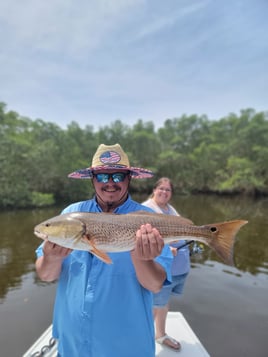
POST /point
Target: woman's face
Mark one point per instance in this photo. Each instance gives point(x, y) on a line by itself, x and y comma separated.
point(162, 193)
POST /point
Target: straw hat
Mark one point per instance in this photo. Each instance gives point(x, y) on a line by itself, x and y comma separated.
point(110, 157)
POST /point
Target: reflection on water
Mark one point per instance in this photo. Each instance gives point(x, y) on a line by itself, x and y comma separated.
point(251, 247)
point(18, 243)
point(26, 301)
point(227, 308)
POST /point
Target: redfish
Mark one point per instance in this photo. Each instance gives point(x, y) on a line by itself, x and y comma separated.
point(101, 233)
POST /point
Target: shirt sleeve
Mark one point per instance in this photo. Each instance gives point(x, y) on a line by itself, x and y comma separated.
point(39, 251)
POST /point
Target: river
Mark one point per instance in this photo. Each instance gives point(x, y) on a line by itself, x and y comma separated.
point(227, 307)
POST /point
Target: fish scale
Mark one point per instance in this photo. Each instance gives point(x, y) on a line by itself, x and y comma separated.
point(101, 233)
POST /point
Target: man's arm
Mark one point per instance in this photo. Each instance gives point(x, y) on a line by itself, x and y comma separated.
point(149, 245)
point(48, 266)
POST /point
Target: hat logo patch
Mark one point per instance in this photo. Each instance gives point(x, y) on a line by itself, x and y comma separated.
point(110, 157)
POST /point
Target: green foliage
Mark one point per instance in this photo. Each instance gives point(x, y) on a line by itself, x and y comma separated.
point(42, 199)
point(238, 175)
point(229, 155)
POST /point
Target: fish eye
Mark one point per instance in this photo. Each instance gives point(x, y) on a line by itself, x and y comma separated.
point(213, 229)
point(47, 224)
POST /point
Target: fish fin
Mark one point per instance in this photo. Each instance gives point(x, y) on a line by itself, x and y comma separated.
point(184, 220)
point(98, 253)
point(224, 238)
point(180, 219)
point(101, 255)
point(142, 213)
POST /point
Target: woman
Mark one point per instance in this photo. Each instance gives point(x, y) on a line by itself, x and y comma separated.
point(159, 202)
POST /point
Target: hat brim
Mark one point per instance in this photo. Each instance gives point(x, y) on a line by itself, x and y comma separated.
point(135, 172)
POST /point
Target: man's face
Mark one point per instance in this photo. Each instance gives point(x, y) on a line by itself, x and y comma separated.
point(111, 186)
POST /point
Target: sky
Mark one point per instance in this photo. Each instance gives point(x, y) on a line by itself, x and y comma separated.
point(96, 61)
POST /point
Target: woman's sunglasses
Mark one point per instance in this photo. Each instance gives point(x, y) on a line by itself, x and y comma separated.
point(116, 177)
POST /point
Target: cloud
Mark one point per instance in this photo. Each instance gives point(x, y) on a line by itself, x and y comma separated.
point(63, 60)
point(167, 18)
point(59, 26)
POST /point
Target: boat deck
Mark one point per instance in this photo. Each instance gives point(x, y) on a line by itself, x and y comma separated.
point(177, 327)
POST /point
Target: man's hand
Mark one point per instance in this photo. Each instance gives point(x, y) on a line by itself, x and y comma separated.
point(149, 243)
point(48, 266)
point(53, 250)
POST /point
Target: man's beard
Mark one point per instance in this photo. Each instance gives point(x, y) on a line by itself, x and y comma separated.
point(109, 206)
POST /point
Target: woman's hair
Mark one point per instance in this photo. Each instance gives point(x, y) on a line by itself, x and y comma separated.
point(159, 183)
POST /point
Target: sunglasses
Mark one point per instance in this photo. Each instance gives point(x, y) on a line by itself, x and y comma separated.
point(116, 177)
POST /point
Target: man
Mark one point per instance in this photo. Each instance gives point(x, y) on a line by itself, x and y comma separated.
point(105, 310)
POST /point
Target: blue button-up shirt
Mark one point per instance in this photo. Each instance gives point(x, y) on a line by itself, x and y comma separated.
point(101, 310)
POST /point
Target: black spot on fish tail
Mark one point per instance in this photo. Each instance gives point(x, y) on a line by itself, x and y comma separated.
point(224, 235)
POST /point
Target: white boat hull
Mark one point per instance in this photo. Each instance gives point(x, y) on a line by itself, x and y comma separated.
point(177, 327)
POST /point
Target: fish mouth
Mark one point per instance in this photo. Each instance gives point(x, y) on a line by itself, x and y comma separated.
point(40, 235)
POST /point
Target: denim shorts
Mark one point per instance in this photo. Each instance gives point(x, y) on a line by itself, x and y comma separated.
point(175, 288)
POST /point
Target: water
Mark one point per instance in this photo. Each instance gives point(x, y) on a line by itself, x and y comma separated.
point(227, 307)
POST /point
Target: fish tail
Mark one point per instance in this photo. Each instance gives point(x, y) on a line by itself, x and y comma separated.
point(224, 238)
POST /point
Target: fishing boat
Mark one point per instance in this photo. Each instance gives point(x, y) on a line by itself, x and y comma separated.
point(176, 326)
